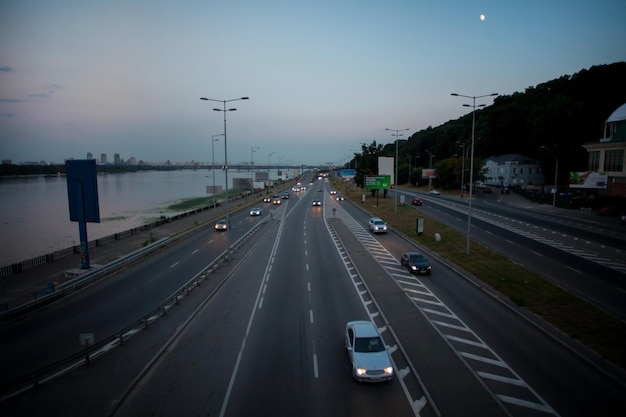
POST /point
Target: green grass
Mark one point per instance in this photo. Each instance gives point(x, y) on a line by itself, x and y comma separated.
point(192, 203)
point(113, 219)
point(597, 329)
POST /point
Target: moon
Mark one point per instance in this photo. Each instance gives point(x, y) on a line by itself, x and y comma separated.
point(482, 17)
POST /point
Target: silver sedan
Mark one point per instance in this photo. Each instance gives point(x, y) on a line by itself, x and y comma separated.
point(368, 353)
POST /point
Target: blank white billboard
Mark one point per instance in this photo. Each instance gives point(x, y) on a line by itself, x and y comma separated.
point(386, 167)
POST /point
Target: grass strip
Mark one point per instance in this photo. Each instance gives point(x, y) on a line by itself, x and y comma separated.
point(599, 330)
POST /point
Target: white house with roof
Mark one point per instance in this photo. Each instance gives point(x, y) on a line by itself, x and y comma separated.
point(608, 155)
point(511, 170)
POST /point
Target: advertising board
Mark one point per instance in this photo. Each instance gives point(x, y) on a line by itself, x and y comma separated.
point(588, 179)
point(375, 182)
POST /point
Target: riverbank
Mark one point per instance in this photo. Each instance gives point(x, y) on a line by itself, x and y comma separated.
point(39, 275)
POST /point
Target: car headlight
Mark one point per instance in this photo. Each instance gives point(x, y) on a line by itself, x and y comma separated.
point(413, 267)
point(361, 371)
point(388, 370)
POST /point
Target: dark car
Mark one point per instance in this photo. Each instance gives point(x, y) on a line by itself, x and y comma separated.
point(487, 190)
point(505, 190)
point(415, 263)
point(417, 202)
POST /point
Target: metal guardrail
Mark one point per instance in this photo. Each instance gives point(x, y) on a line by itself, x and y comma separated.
point(82, 280)
point(18, 267)
point(34, 379)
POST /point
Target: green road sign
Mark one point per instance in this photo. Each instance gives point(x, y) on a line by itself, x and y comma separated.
point(377, 182)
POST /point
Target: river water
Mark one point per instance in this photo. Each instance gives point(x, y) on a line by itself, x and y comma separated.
point(34, 214)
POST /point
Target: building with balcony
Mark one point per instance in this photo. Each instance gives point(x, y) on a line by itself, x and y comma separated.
point(608, 155)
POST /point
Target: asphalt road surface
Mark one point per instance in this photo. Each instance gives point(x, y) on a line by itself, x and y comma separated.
point(264, 334)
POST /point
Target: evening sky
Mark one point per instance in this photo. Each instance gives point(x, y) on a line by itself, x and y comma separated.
point(323, 76)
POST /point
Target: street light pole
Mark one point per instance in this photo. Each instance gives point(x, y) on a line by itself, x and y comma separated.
point(269, 182)
point(430, 166)
point(556, 170)
point(395, 175)
point(471, 179)
point(462, 170)
point(213, 140)
point(252, 150)
point(224, 110)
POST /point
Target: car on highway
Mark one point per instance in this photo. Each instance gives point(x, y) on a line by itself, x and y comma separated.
point(333, 192)
point(487, 190)
point(340, 197)
point(367, 352)
point(275, 195)
point(417, 202)
point(221, 225)
point(255, 211)
point(317, 203)
point(285, 195)
point(415, 263)
point(276, 202)
point(505, 189)
point(267, 200)
point(435, 192)
point(377, 225)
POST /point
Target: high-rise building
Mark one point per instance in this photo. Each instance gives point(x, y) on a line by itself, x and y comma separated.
point(89, 155)
point(103, 158)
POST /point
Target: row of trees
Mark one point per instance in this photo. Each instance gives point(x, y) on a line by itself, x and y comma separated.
point(561, 114)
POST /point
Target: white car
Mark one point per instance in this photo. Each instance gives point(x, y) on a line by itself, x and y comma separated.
point(377, 225)
point(255, 211)
point(221, 225)
point(435, 192)
point(368, 353)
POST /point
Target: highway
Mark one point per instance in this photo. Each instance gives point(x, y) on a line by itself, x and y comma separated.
point(584, 255)
point(269, 340)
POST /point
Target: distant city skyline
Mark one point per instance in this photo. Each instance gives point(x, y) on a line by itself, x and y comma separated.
point(322, 77)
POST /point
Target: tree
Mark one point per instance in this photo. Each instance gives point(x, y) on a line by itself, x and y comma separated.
point(367, 162)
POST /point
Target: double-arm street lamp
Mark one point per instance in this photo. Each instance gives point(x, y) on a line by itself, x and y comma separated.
point(471, 179)
point(224, 110)
point(395, 179)
point(213, 140)
point(556, 170)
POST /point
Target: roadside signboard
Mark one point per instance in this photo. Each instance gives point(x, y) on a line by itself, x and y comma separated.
point(588, 179)
point(375, 182)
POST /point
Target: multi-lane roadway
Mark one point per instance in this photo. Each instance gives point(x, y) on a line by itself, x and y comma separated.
point(269, 339)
